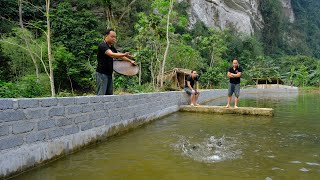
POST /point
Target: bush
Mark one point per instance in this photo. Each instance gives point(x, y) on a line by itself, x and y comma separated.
point(8, 90)
point(65, 94)
point(215, 76)
point(27, 87)
point(124, 82)
point(30, 87)
point(145, 88)
point(212, 77)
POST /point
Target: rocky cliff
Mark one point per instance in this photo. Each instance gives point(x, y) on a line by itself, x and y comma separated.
point(243, 15)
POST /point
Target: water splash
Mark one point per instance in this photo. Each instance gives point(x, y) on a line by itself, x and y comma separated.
point(313, 164)
point(210, 150)
point(276, 168)
point(295, 162)
point(304, 170)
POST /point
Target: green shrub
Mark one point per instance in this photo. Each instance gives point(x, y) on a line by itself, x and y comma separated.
point(145, 88)
point(27, 87)
point(65, 94)
point(213, 77)
point(30, 87)
point(9, 90)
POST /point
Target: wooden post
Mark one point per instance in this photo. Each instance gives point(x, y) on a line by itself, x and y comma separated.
point(140, 74)
point(266, 84)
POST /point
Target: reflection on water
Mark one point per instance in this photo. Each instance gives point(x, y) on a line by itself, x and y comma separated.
point(207, 146)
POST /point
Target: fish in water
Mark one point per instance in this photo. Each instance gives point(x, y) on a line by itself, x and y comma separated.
point(210, 150)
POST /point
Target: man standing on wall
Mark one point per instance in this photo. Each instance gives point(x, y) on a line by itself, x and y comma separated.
point(106, 54)
point(190, 88)
point(234, 74)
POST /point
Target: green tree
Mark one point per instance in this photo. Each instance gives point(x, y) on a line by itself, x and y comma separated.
point(161, 6)
point(251, 50)
point(5, 67)
point(262, 67)
point(63, 68)
point(286, 62)
point(183, 56)
point(306, 27)
point(272, 32)
point(154, 31)
point(213, 46)
point(76, 31)
point(302, 76)
point(149, 44)
point(291, 75)
point(315, 76)
point(212, 77)
point(20, 53)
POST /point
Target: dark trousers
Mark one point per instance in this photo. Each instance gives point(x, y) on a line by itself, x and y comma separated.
point(104, 84)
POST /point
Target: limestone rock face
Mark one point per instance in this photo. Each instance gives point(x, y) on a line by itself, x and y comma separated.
point(287, 9)
point(243, 15)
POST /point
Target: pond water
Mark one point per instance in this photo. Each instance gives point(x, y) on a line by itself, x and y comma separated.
point(207, 146)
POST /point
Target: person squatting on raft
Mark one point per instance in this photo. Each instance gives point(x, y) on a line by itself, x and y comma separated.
point(234, 74)
point(190, 90)
point(106, 54)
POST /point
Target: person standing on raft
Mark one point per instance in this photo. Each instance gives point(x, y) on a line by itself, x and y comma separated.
point(106, 54)
point(234, 74)
point(189, 87)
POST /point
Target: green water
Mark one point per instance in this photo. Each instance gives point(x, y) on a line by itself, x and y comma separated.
point(204, 146)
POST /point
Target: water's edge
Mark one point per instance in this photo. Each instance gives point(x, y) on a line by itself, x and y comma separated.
point(132, 112)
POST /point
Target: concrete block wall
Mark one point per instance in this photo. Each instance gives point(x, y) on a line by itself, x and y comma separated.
point(60, 125)
point(33, 131)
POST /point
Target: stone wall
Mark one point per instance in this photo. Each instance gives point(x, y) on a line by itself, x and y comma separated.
point(33, 131)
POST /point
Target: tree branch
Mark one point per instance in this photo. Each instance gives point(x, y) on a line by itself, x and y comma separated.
point(168, 44)
point(127, 10)
point(36, 7)
point(37, 28)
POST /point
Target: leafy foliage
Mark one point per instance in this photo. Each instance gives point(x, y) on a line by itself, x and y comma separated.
point(213, 76)
point(282, 49)
point(302, 76)
point(75, 35)
point(5, 69)
point(29, 87)
point(26, 87)
point(9, 90)
point(263, 67)
point(272, 14)
point(307, 26)
point(315, 76)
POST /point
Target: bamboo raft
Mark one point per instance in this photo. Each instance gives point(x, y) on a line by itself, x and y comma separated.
point(223, 110)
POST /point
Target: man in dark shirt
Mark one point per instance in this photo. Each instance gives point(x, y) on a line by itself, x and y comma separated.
point(190, 90)
point(105, 56)
point(234, 74)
